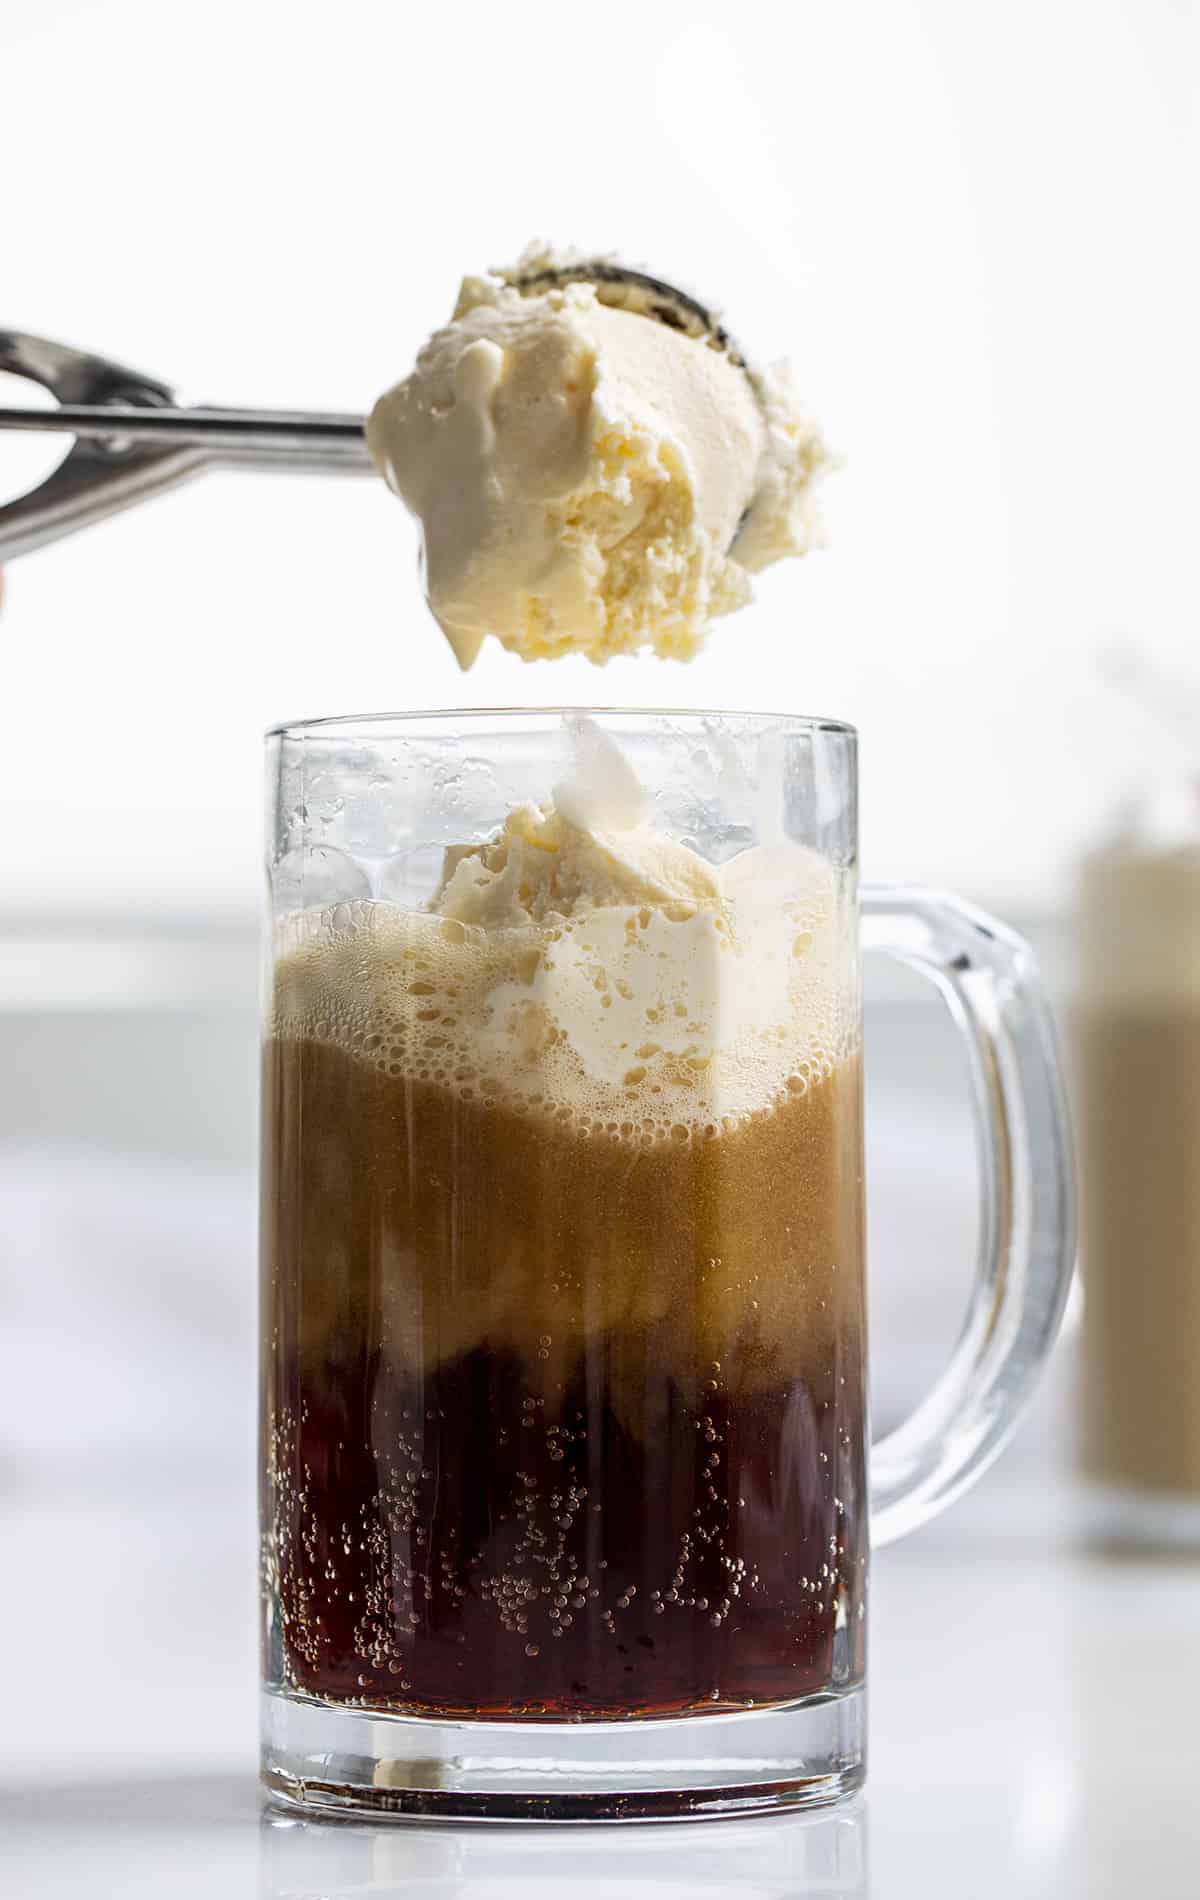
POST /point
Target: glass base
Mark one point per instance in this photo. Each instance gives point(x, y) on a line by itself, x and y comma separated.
point(318, 1758)
point(1127, 1518)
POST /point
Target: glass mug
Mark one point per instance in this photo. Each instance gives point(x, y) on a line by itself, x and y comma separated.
point(564, 1434)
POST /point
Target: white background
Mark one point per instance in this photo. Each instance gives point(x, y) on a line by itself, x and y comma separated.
point(970, 227)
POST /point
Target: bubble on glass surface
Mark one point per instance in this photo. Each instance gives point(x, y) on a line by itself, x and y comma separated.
point(318, 875)
point(411, 876)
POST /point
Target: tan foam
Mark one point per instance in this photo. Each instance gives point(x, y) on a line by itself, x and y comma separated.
point(1141, 944)
point(405, 1217)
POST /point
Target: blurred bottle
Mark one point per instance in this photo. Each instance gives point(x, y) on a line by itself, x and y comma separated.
point(1137, 1059)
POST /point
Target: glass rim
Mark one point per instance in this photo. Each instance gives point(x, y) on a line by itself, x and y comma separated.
point(334, 725)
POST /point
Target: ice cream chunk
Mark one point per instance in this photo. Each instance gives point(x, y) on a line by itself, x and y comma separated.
point(542, 864)
point(590, 848)
point(587, 477)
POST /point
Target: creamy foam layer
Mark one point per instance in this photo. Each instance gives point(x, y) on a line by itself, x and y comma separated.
point(1139, 935)
point(623, 985)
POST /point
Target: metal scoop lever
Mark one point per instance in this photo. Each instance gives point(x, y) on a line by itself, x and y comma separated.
point(132, 441)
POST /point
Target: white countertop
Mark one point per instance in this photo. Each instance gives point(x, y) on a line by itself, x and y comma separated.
point(1033, 1725)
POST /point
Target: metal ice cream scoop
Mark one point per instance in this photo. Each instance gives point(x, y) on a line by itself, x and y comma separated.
point(132, 439)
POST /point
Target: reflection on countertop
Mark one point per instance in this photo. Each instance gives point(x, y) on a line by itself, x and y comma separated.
point(823, 1854)
point(1032, 1738)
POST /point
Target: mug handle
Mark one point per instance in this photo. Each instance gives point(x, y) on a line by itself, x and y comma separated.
point(989, 979)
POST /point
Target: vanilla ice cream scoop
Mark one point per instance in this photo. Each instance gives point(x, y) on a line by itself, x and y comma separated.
point(594, 468)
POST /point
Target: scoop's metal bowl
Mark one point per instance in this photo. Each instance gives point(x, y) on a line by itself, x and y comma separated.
point(625, 289)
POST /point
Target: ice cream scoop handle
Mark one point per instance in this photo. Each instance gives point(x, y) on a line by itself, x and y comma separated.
point(132, 440)
point(244, 435)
